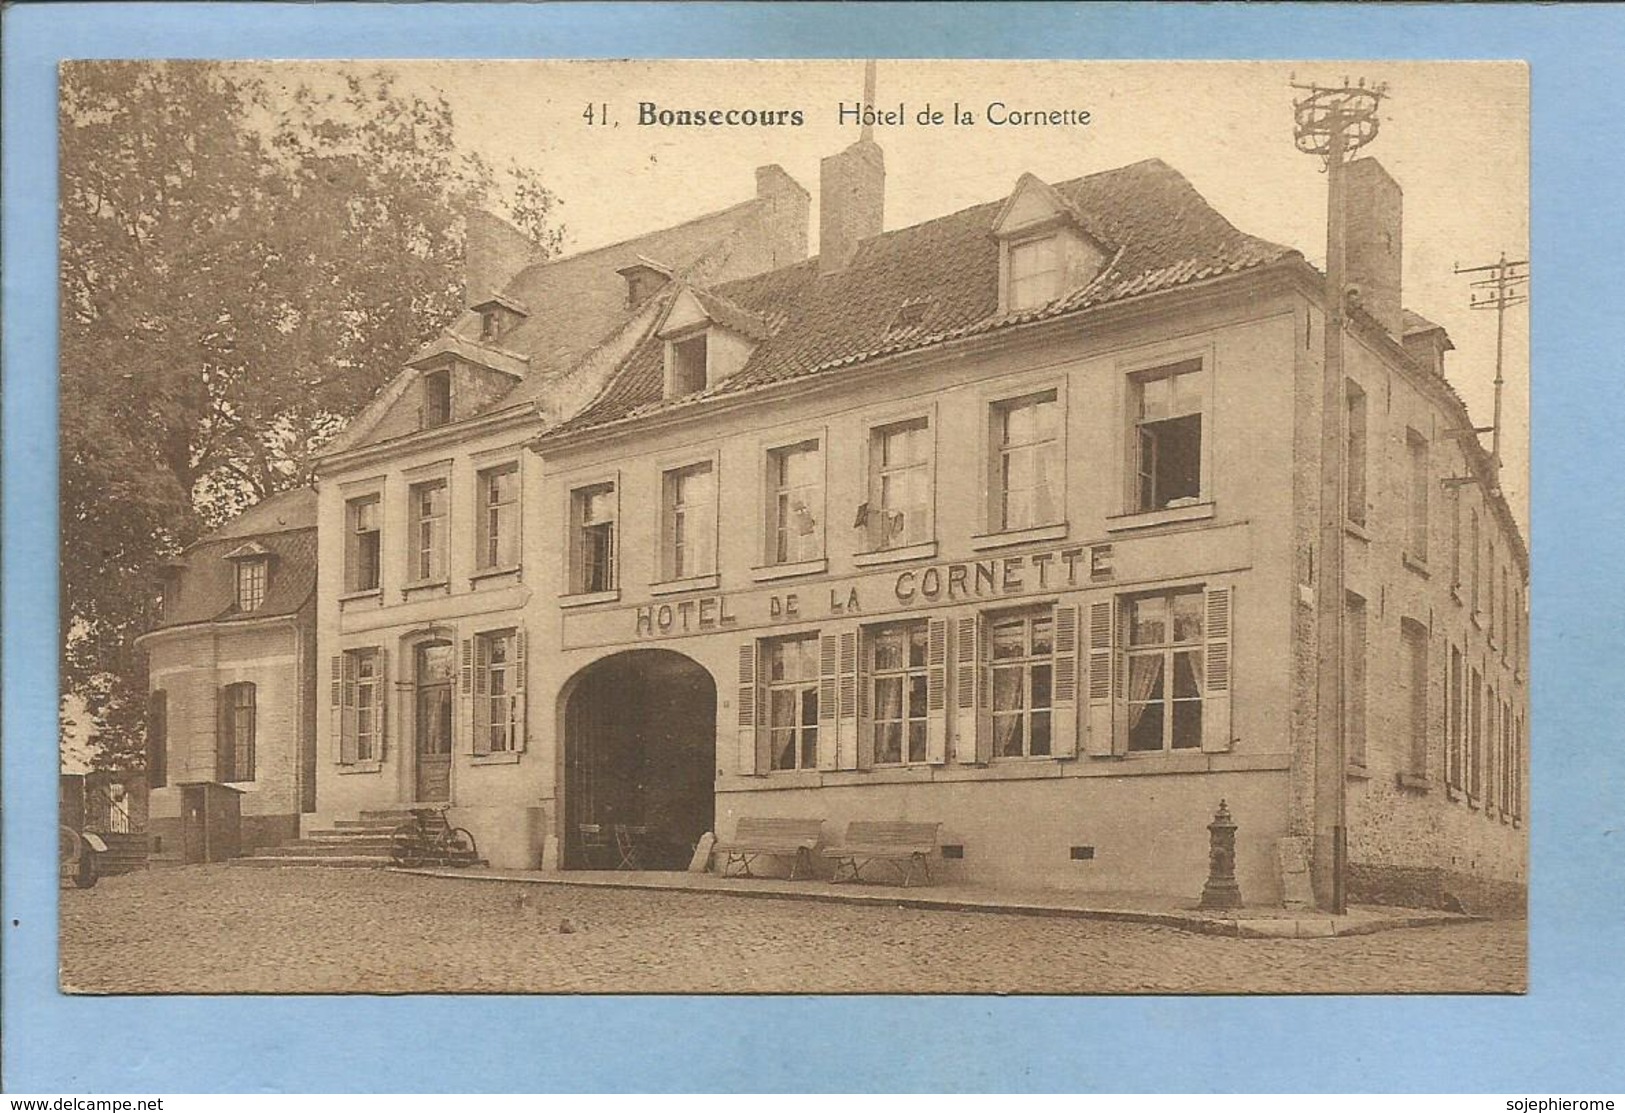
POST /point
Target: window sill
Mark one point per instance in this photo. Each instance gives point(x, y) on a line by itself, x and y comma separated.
point(707, 582)
point(771, 572)
point(1357, 771)
point(1146, 519)
point(1356, 529)
point(924, 550)
point(588, 598)
point(1420, 567)
point(1413, 782)
point(982, 542)
point(441, 586)
point(494, 573)
point(375, 593)
point(506, 757)
point(360, 767)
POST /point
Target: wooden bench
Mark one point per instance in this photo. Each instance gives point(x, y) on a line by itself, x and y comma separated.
point(794, 839)
point(904, 846)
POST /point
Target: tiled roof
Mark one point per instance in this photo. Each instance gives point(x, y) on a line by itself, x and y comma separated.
point(1414, 323)
point(284, 525)
point(1162, 234)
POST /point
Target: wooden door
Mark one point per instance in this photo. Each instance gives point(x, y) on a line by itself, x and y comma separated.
point(194, 825)
point(432, 722)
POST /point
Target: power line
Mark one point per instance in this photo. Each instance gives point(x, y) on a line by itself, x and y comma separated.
point(1506, 286)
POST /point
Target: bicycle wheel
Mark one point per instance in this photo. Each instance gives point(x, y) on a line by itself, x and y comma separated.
point(406, 845)
point(86, 875)
point(460, 847)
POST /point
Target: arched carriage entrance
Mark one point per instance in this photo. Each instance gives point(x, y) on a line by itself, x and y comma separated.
point(640, 760)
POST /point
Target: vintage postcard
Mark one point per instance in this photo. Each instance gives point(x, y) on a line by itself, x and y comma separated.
point(1038, 527)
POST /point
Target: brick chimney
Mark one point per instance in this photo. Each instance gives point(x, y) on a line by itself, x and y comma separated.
point(1374, 208)
point(493, 252)
point(851, 199)
point(786, 207)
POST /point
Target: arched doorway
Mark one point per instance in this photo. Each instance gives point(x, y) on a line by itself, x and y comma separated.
point(640, 757)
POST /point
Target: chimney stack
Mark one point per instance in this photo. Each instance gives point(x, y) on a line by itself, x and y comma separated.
point(1374, 205)
point(787, 206)
point(851, 199)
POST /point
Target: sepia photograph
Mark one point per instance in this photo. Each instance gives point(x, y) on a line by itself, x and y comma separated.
point(794, 527)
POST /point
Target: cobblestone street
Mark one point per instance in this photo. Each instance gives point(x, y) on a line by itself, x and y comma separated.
point(220, 929)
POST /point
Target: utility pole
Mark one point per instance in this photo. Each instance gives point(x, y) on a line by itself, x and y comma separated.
point(1503, 289)
point(1332, 122)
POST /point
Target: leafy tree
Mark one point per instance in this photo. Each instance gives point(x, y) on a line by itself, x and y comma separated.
point(243, 265)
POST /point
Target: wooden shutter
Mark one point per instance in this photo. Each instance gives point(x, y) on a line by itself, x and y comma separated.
point(335, 714)
point(465, 711)
point(482, 696)
point(750, 754)
point(381, 698)
point(972, 744)
point(847, 705)
point(936, 692)
point(1100, 737)
point(222, 734)
point(1216, 671)
point(1064, 693)
point(347, 715)
point(828, 683)
point(517, 743)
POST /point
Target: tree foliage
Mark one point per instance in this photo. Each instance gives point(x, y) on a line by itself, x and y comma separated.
point(244, 263)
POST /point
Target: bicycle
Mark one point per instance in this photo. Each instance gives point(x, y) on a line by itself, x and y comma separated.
point(427, 839)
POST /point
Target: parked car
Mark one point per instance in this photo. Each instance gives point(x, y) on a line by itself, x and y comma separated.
point(76, 856)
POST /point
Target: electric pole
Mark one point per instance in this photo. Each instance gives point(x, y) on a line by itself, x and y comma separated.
point(1504, 288)
point(1332, 122)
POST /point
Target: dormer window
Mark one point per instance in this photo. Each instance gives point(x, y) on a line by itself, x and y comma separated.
point(498, 315)
point(490, 323)
point(643, 278)
point(1035, 272)
point(436, 398)
point(252, 567)
point(688, 365)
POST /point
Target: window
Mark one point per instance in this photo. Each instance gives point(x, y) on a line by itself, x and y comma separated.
point(1021, 666)
point(1165, 672)
point(1504, 781)
point(689, 525)
point(898, 689)
point(593, 513)
point(359, 695)
point(428, 513)
point(1417, 459)
point(1475, 736)
point(790, 673)
point(688, 360)
point(1354, 682)
point(1354, 433)
point(1506, 613)
point(1027, 476)
point(499, 517)
point(362, 551)
point(490, 323)
point(1413, 677)
point(1473, 540)
point(1454, 742)
point(1455, 540)
point(1035, 272)
point(234, 755)
point(436, 398)
point(1489, 592)
point(796, 480)
point(1167, 407)
point(251, 581)
point(900, 484)
point(498, 692)
point(158, 739)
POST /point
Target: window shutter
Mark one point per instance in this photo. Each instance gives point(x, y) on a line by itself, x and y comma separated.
point(482, 699)
point(750, 755)
point(347, 728)
point(381, 700)
point(847, 708)
point(828, 678)
point(222, 735)
point(465, 712)
point(518, 741)
point(936, 692)
point(1100, 737)
point(967, 658)
point(1064, 695)
point(1216, 672)
point(335, 716)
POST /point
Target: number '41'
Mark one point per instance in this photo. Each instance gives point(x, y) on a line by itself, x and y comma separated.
point(596, 114)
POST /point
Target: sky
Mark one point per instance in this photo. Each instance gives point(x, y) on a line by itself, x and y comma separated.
point(1454, 135)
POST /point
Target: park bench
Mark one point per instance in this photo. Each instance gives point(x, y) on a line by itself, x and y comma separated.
point(904, 846)
point(754, 837)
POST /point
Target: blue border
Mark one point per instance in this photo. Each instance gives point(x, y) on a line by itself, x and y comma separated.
point(1564, 1037)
